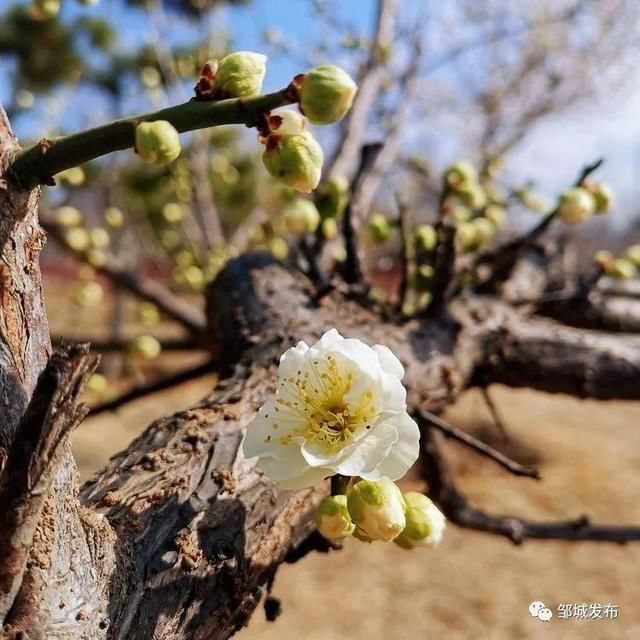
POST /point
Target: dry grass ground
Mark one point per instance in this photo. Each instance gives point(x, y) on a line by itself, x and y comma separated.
point(474, 585)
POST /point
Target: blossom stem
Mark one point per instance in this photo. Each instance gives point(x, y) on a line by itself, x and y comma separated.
point(39, 163)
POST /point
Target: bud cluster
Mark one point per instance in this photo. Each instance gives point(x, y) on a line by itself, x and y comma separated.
point(377, 510)
point(579, 203)
point(623, 267)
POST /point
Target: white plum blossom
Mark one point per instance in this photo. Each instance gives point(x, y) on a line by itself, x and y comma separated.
point(339, 408)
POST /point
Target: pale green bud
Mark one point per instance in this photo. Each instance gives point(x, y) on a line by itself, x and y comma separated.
point(332, 518)
point(496, 214)
point(146, 347)
point(379, 228)
point(148, 314)
point(604, 258)
point(46, 9)
point(460, 174)
point(294, 160)
point(73, 176)
point(466, 236)
point(424, 277)
point(377, 509)
point(194, 277)
point(484, 231)
point(240, 75)
point(99, 238)
point(301, 216)
point(68, 217)
point(461, 213)
point(172, 212)
point(88, 294)
point(279, 248)
point(632, 253)
point(621, 269)
point(150, 77)
point(425, 237)
point(602, 195)
point(114, 217)
point(326, 94)
point(97, 383)
point(287, 123)
point(329, 228)
point(576, 205)
point(96, 258)
point(157, 142)
point(333, 197)
point(473, 195)
point(425, 524)
point(24, 99)
point(78, 238)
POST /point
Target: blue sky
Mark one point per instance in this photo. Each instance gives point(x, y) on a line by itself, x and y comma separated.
point(551, 155)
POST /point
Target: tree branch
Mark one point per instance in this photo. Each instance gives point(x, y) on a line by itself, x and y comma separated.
point(160, 384)
point(455, 507)
point(517, 469)
point(38, 164)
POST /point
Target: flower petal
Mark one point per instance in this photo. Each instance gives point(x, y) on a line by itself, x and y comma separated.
point(388, 361)
point(292, 360)
point(366, 456)
point(293, 473)
point(402, 454)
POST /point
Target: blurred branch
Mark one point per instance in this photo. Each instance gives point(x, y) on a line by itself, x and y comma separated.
point(455, 507)
point(38, 164)
point(517, 469)
point(161, 384)
point(116, 345)
point(345, 156)
point(171, 305)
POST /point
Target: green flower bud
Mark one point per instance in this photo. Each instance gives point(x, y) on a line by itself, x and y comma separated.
point(287, 123)
point(425, 524)
point(423, 278)
point(96, 258)
point(379, 228)
point(332, 518)
point(239, 75)
point(148, 314)
point(326, 94)
point(150, 77)
point(74, 176)
point(68, 217)
point(46, 9)
point(604, 258)
point(461, 213)
point(78, 238)
point(114, 217)
point(333, 197)
point(621, 269)
point(301, 216)
point(496, 214)
point(279, 248)
point(97, 383)
point(99, 238)
point(157, 142)
point(466, 236)
point(24, 99)
point(460, 174)
point(576, 205)
point(425, 237)
point(377, 509)
point(88, 294)
point(329, 228)
point(172, 212)
point(472, 194)
point(602, 195)
point(194, 278)
point(146, 347)
point(632, 254)
point(484, 231)
point(294, 160)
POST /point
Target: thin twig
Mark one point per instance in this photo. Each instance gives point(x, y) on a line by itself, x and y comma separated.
point(476, 445)
point(117, 344)
point(455, 507)
point(154, 386)
point(493, 410)
point(405, 250)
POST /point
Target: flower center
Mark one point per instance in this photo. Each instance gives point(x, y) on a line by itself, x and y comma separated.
point(317, 395)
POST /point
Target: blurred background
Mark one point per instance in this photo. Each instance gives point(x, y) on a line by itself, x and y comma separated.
point(528, 92)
